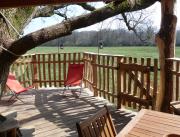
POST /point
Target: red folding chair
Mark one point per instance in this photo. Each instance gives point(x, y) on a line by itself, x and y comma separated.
point(74, 77)
point(15, 87)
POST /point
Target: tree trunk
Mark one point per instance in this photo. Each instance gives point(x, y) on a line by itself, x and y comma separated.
point(165, 40)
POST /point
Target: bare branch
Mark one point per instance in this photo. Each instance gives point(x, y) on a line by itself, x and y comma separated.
point(133, 23)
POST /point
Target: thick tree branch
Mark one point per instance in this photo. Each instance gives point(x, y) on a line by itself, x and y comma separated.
point(86, 6)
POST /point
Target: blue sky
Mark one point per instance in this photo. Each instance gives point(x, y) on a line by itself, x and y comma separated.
point(155, 16)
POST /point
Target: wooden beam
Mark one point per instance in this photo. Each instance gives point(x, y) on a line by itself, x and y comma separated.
point(165, 39)
point(23, 3)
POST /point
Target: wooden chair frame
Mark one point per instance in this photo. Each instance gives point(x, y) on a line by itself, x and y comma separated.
point(99, 125)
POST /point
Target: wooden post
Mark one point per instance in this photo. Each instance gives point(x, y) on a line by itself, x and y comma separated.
point(165, 39)
point(94, 75)
point(34, 81)
point(119, 97)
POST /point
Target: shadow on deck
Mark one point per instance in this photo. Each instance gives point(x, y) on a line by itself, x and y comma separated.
point(50, 113)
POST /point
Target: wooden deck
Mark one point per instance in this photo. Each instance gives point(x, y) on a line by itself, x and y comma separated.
point(47, 112)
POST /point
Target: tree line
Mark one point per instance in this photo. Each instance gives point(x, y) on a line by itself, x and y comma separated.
point(118, 37)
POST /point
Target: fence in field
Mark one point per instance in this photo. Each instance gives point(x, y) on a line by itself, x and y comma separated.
point(175, 72)
point(119, 79)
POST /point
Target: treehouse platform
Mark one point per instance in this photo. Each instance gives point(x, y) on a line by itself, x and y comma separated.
point(47, 112)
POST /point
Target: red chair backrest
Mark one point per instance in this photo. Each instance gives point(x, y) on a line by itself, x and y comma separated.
point(14, 84)
point(75, 74)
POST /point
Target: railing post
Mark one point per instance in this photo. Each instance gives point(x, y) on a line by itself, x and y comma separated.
point(119, 98)
point(85, 69)
point(34, 77)
point(94, 74)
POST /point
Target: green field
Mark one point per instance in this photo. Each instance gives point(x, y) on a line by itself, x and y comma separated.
point(138, 52)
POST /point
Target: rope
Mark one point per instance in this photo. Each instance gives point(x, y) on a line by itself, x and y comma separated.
point(9, 51)
point(10, 24)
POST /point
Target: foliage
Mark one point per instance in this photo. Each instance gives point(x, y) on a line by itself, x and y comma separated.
point(17, 17)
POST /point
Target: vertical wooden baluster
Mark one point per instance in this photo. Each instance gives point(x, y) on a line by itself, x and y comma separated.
point(54, 69)
point(119, 72)
point(100, 82)
point(135, 83)
point(177, 80)
point(35, 77)
point(59, 69)
point(129, 82)
point(74, 58)
point(28, 70)
point(148, 80)
point(104, 78)
point(107, 84)
point(44, 69)
point(64, 67)
point(85, 70)
point(125, 82)
point(23, 67)
point(113, 81)
point(155, 83)
point(142, 82)
point(39, 70)
point(94, 75)
point(49, 69)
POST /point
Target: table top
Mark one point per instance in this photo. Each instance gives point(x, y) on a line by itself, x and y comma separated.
point(151, 123)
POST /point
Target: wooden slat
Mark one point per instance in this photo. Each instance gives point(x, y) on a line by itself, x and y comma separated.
point(177, 80)
point(64, 67)
point(39, 70)
point(28, 71)
point(49, 70)
point(104, 77)
point(59, 69)
point(94, 76)
point(100, 79)
point(124, 81)
point(108, 79)
point(148, 80)
point(44, 69)
point(155, 82)
point(54, 69)
point(142, 82)
point(35, 76)
point(119, 73)
point(129, 78)
point(135, 84)
point(23, 71)
point(113, 79)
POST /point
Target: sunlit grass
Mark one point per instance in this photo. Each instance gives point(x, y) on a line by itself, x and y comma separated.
point(138, 52)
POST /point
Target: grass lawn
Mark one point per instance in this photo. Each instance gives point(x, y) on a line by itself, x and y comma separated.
point(138, 52)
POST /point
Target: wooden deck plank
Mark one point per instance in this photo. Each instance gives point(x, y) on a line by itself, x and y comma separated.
point(51, 113)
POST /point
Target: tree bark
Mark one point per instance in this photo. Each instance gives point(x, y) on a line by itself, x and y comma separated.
point(165, 40)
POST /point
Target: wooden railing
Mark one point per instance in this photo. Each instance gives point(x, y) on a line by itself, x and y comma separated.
point(176, 78)
point(45, 70)
point(122, 80)
point(119, 79)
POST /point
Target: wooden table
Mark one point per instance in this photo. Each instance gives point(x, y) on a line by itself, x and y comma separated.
point(151, 123)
